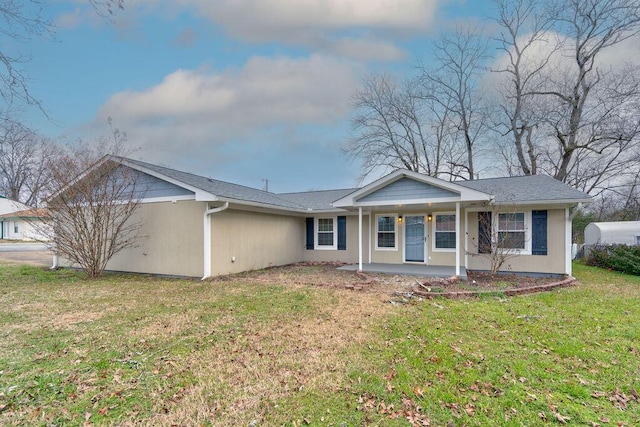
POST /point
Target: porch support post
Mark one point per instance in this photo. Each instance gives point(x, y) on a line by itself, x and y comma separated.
point(360, 239)
point(567, 242)
point(370, 225)
point(457, 238)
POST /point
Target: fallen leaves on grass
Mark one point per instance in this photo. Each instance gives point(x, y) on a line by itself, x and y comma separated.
point(408, 410)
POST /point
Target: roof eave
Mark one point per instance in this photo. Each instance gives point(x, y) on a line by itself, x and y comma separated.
point(259, 205)
point(545, 202)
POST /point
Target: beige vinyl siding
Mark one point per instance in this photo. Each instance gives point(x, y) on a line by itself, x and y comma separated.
point(553, 262)
point(350, 255)
point(172, 242)
point(243, 240)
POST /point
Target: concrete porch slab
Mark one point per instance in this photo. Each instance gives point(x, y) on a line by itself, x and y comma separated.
point(408, 269)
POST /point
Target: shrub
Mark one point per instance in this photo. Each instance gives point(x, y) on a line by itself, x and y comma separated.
point(622, 258)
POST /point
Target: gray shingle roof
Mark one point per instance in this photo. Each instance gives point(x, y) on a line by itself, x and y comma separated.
point(221, 188)
point(317, 200)
point(525, 189)
point(511, 189)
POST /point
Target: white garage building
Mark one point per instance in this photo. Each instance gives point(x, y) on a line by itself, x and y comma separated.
point(608, 233)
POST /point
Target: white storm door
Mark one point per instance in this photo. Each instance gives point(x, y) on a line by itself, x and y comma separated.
point(414, 239)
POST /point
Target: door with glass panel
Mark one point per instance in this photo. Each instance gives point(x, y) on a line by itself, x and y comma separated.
point(414, 238)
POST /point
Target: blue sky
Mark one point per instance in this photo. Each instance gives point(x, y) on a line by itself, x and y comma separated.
point(239, 90)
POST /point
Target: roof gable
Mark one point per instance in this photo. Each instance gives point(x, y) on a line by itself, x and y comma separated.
point(407, 189)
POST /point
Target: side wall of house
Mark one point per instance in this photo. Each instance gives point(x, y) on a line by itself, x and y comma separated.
point(553, 262)
point(243, 240)
point(172, 241)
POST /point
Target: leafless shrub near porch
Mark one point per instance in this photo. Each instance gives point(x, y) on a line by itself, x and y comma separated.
point(498, 244)
point(92, 211)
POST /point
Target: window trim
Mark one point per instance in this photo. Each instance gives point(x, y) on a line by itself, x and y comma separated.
point(395, 231)
point(316, 245)
point(527, 231)
point(433, 232)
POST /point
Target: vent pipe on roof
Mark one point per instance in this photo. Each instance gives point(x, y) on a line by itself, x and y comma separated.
point(207, 237)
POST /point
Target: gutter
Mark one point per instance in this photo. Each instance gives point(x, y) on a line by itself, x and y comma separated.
point(207, 237)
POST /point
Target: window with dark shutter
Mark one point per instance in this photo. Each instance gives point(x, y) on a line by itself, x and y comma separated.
point(309, 223)
point(484, 232)
point(539, 233)
point(342, 233)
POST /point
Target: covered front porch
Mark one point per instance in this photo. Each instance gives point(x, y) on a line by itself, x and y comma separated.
point(408, 269)
point(415, 224)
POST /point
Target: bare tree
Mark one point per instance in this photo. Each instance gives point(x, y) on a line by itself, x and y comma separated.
point(452, 80)
point(21, 21)
point(24, 156)
point(589, 103)
point(527, 49)
point(93, 213)
point(395, 125)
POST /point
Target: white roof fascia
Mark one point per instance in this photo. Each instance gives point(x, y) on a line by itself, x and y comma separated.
point(545, 202)
point(466, 194)
point(260, 205)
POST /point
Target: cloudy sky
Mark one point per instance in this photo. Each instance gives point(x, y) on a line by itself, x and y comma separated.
point(239, 90)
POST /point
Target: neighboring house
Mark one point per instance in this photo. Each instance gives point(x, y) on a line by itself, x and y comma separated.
point(9, 206)
point(28, 224)
point(607, 233)
point(198, 226)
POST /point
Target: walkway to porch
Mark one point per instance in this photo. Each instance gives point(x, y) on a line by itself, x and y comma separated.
point(409, 269)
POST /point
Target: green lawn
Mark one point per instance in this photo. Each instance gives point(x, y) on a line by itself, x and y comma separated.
point(128, 350)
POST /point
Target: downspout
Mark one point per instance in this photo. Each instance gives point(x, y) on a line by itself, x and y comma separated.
point(207, 237)
point(568, 237)
point(54, 263)
point(576, 211)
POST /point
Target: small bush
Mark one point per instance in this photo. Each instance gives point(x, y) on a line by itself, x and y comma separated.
point(616, 257)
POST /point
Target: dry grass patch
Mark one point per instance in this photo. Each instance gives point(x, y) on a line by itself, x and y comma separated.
point(243, 378)
point(268, 348)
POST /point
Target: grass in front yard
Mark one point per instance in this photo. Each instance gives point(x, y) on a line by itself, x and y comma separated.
point(130, 349)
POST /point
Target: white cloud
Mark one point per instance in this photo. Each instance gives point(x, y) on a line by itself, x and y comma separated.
point(334, 26)
point(561, 60)
point(200, 112)
point(253, 19)
point(70, 19)
point(265, 91)
point(366, 49)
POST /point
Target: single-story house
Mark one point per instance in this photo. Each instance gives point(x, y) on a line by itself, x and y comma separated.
point(27, 224)
point(198, 226)
point(11, 228)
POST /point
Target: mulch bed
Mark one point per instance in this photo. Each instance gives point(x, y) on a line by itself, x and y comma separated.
point(327, 275)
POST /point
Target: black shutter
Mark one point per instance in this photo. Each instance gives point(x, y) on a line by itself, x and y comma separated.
point(539, 232)
point(342, 233)
point(309, 233)
point(484, 232)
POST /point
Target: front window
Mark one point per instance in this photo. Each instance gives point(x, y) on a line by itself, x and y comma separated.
point(445, 231)
point(511, 231)
point(325, 233)
point(386, 232)
point(15, 227)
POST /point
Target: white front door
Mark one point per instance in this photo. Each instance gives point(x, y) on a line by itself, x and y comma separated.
point(414, 239)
